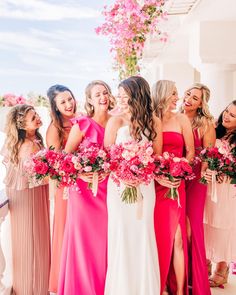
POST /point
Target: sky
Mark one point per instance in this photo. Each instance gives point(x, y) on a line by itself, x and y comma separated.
point(47, 42)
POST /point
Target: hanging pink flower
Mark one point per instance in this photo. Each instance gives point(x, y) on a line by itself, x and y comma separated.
point(127, 23)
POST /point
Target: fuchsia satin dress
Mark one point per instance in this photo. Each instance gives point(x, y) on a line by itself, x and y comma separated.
point(84, 253)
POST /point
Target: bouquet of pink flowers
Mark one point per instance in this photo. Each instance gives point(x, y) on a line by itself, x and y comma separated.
point(41, 165)
point(172, 167)
point(91, 158)
point(214, 158)
point(133, 164)
point(221, 160)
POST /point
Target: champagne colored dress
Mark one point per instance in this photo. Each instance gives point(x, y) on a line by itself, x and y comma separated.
point(29, 215)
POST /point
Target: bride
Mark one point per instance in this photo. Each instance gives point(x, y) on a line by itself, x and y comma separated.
point(133, 267)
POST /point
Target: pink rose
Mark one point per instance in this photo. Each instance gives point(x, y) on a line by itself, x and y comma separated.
point(175, 169)
point(41, 168)
point(67, 166)
point(88, 169)
point(186, 167)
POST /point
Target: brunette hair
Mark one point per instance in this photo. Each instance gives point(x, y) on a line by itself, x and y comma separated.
point(56, 117)
point(140, 105)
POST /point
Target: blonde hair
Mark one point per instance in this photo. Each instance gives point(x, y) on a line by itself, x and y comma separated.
point(88, 107)
point(203, 117)
point(162, 90)
point(15, 133)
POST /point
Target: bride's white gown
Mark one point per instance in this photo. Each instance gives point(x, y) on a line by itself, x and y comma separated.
point(133, 267)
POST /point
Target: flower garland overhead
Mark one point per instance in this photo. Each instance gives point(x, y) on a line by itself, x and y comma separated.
point(127, 23)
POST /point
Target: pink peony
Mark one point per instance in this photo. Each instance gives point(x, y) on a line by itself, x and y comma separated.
point(41, 167)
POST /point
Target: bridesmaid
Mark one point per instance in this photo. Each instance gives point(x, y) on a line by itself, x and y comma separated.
point(196, 108)
point(62, 109)
point(29, 206)
point(133, 267)
point(84, 253)
point(220, 218)
point(169, 218)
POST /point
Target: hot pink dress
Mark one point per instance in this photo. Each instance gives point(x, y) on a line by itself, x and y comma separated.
point(195, 202)
point(167, 216)
point(84, 253)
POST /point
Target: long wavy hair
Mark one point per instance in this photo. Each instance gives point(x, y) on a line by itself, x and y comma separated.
point(221, 131)
point(15, 132)
point(88, 107)
point(203, 116)
point(140, 105)
point(162, 90)
point(56, 116)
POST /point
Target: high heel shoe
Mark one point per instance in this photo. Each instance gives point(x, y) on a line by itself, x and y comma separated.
point(219, 278)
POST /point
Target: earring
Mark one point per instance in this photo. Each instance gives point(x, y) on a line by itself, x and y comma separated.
point(199, 111)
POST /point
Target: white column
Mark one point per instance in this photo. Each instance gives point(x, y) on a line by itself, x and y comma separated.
point(181, 73)
point(213, 53)
point(220, 80)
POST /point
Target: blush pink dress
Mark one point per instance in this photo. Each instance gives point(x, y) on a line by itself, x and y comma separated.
point(220, 222)
point(167, 216)
point(195, 202)
point(30, 231)
point(84, 253)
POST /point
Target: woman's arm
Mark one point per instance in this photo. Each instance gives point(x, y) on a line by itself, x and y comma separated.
point(209, 139)
point(158, 141)
point(188, 136)
point(74, 139)
point(113, 124)
point(52, 137)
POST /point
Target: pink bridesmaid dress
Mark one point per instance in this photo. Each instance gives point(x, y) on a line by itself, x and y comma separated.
point(167, 216)
point(195, 202)
point(84, 253)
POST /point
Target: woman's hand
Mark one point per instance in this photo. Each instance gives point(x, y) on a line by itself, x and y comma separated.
point(164, 181)
point(221, 178)
point(207, 174)
point(131, 183)
point(87, 177)
point(102, 176)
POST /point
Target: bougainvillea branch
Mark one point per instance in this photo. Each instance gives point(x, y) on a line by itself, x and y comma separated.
point(127, 24)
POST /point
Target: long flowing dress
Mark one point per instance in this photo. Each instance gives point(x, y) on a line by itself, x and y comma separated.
point(84, 251)
point(220, 222)
point(167, 216)
point(30, 231)
point(59, 220)
point(133, 267)
point(195, 202)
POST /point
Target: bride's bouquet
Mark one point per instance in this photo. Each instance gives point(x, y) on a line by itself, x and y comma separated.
point(133, 164)
point(172, 167)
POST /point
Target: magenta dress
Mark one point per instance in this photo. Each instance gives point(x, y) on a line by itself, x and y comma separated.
point(167, 216)
point(195, 202)
point(84, 252)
